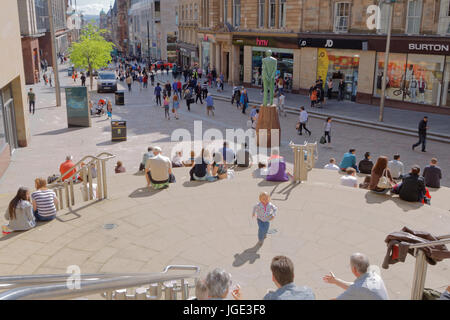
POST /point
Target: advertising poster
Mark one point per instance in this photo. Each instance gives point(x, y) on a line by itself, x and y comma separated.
point(78, 113)
point(322, 63)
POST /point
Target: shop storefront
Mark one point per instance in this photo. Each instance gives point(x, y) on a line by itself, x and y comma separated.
point(188, 56)
point(205, 55)
point(418, 72)
point(285, 65)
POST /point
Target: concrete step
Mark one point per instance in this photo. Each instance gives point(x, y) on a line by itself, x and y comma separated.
point(323, 114)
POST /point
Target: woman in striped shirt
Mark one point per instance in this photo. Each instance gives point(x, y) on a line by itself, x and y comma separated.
point(44, 201)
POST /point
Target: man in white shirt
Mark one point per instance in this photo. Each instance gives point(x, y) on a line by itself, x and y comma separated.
point(350, 180)
point(158, 168)
point(396, 167)
point(331, 165)
point(303, 118)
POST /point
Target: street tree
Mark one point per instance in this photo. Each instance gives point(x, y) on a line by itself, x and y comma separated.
point(92, 51)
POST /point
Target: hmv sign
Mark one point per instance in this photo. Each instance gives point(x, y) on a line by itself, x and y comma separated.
point(332, 43)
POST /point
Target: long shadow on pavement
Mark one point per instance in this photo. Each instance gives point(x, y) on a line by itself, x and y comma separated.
point(372, 197)
point(249, 255)
point(144, 192)
point(58, 131)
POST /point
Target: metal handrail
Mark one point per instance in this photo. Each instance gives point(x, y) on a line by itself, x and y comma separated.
point(94, 158)
point(95, 286)
point(429, 244)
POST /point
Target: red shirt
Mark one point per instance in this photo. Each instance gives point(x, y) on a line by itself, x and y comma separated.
point(66, 165)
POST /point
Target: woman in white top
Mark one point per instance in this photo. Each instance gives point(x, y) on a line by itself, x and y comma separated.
point(327, 130)
point(20, 212)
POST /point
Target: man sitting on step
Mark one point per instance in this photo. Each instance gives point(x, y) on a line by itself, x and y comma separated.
point(158, 170)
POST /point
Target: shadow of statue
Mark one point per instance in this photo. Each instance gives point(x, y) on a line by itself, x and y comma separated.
point(249, 255)
point(286, 191)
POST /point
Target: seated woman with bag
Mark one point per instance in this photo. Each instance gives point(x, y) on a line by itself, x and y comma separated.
point(218, 167)
point(380, 178)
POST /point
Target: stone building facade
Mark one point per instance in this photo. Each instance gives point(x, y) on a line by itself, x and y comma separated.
point(188, 14)
point(334, 39)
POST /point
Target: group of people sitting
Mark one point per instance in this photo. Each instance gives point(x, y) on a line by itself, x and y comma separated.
point(385, 176)
point(368, 284)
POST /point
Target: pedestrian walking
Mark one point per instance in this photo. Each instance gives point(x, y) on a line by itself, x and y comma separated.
point(423, 126)
point(189, 99)
point(244, 100)
point(175, 105)
point(174, 87)
point(313, 96)
point(205, 89)
point(209, 105)
point(50, 79)
point(303, 118)
point(168, 88)
point(264, 211)
point(31, 100)
point(83, 79)
point(329, 87)
point(152, 78)
point(129, 81)
point(166, 107)
point(198, 93)
point(327, 131)
point(341, 90)
point(109, 109)
point(281, 108)
point(145, 80)
point(157, 94)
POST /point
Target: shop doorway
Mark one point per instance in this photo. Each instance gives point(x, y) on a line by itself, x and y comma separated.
point(227, 64)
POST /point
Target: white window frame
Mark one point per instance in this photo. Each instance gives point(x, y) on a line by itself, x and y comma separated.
point(415, 20)
point(272, 11)
point(236, 10)
point(338, 19)
point(282, 14)
point(195, 11)
point(261, 13)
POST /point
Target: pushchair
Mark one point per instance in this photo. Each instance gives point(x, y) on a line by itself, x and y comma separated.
point(100, 108)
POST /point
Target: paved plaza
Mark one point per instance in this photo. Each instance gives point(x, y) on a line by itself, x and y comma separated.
point(320, 223)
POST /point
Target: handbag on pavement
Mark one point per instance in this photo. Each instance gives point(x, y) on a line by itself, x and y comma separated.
point(322, 140)
point(384, 183)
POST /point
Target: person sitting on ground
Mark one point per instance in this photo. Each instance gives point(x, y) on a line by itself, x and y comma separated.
point(412, 188)
point(367, 286)
point(44, 201)
point(219, 169)
point(396, 167)
point(432, 174)
point(243, 156)
point(350, 180)
point(201, 171)
point(176, 160)
point(379, 170)
point(65, 167)
point(349, 160)
point(158, 170)
point(365, 165)
point(276, 167)
point(331, 165)
point(145, 157)
point(119, 167)
point(227, 153)
point(20, 212)
point(201, 290)
point(191, 160)
point(218, 283)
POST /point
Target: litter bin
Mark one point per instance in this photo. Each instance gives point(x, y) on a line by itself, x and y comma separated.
point(120, 97)
point(118, 131)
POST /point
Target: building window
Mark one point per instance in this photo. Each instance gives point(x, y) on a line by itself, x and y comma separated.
point(341, 17)
point(261, 12)
point(272, 13)
point(225, 11)
point(413, 17)
point(191, 15)
point(195, 12)
point(237, 13)
point(282, 23)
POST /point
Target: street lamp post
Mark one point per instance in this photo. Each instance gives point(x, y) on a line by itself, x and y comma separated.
point(386, 58)
point(53, 48)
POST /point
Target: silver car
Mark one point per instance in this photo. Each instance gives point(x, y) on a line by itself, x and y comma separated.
point(106, 81)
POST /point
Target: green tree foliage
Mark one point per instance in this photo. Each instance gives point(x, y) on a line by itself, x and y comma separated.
point(92, 51)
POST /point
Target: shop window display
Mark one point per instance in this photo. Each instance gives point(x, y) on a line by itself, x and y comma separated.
point(339, 65)
point(285, 65)
point(412, 78)
point(446, 91)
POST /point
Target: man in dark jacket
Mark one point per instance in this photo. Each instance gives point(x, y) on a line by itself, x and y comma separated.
point(423, 126)
point(365, 165)
point(412, 187)
point(432, 174)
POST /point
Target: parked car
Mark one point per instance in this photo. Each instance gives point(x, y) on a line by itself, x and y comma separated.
point(106, 81)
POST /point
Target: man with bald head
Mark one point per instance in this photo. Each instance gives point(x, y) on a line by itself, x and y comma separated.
point(367, 286)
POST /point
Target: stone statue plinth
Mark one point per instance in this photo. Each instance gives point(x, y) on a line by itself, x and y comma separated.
point(268, 120)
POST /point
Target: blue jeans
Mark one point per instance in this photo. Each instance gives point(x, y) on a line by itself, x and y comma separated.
point(422, 140)
point(41, 218)
point(263, 227)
